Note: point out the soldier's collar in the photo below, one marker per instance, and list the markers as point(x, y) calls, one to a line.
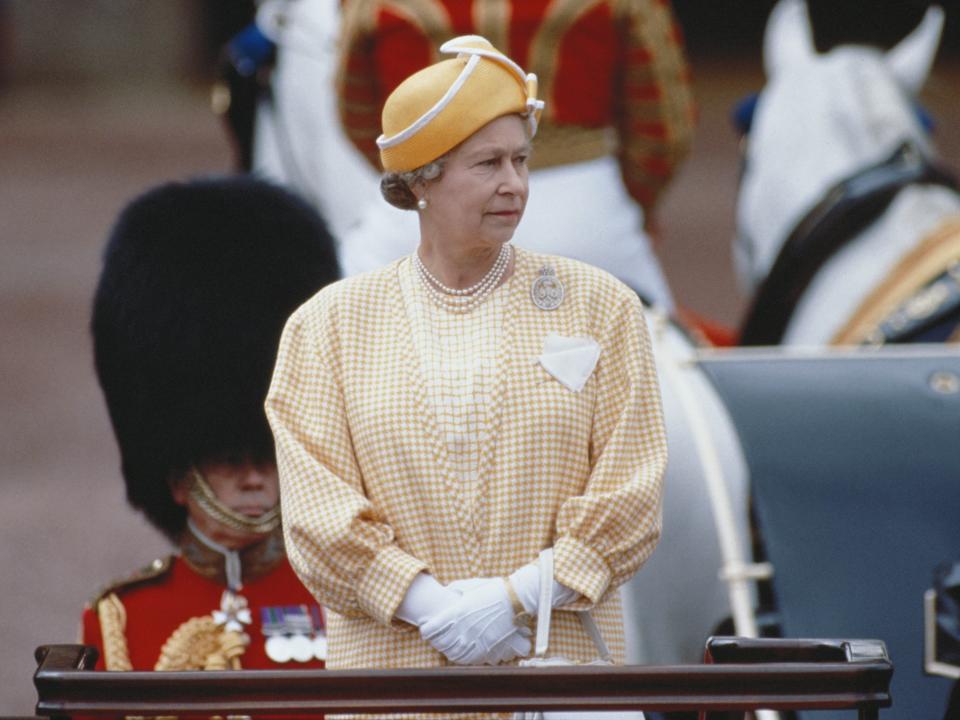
point(231, 568)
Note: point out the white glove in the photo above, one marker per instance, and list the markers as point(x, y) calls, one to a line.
point(526, 584)
point(479, 627)
point(425, 598)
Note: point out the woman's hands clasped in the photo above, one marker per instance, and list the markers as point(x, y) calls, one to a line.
point(470, 621)
point(479, 628)
point(476, 621)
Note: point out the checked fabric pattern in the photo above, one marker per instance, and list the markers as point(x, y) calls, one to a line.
point(458, 352)
point(369, 489)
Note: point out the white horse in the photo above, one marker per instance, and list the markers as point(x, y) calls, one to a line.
point(675, 601)
point(846, 230)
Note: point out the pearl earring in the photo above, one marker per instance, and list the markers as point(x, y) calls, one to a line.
point(422, 203)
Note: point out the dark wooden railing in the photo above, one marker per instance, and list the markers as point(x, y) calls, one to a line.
point(739, 675)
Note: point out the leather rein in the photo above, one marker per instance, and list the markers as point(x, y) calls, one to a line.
point(846, 209)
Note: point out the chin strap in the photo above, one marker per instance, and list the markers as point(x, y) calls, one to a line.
point(207, 499)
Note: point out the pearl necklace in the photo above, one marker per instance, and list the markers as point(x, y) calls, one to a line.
point(463, 299)
point(501, 261)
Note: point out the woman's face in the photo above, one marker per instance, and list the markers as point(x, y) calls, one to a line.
point(481, 196)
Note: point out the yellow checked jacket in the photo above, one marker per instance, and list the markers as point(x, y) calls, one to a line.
point(613, 74)
point(368, 497)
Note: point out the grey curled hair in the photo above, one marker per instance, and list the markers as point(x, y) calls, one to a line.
point(396, 186)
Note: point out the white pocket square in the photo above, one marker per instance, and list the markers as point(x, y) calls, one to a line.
point(569, 359)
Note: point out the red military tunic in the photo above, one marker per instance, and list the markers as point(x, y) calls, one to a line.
point(612, 73)
point(162, 597)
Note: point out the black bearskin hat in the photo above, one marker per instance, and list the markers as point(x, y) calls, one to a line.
point(198, 280)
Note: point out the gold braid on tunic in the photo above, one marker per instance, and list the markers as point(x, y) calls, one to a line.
point(201, 644)
point(113, 626)
point(198, 644)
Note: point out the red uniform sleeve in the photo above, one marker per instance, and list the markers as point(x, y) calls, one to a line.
point(90, 633)
point(656, 118)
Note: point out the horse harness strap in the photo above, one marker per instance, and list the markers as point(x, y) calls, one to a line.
point(918, 301)
point(930, 308)
point(847, 208)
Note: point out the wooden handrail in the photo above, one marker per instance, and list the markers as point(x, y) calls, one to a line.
point(66, 686)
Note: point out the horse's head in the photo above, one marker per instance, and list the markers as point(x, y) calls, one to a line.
point(820, 119)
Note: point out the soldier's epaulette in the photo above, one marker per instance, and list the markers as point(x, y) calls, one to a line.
point(157, 570)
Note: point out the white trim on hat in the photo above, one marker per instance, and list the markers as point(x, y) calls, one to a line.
point(453, 46)
point(384, 142)
point(534, 106)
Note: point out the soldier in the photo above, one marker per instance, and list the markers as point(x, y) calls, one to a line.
point(198, 279)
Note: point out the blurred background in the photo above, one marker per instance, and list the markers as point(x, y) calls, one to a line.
point(101, 99)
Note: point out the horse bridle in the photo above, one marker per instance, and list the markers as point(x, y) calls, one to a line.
point(845, 210)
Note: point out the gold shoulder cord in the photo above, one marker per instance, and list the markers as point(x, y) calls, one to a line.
point(113, 626)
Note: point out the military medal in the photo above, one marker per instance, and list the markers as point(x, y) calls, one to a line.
point(293, 632)
point(277, 645)
point(278, 649)
point(301, 648)
point(233, 613)
point(547, 291)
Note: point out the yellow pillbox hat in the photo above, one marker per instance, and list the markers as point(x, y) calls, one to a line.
point(439, 107)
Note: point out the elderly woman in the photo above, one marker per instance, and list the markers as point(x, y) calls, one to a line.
point(441, 421)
